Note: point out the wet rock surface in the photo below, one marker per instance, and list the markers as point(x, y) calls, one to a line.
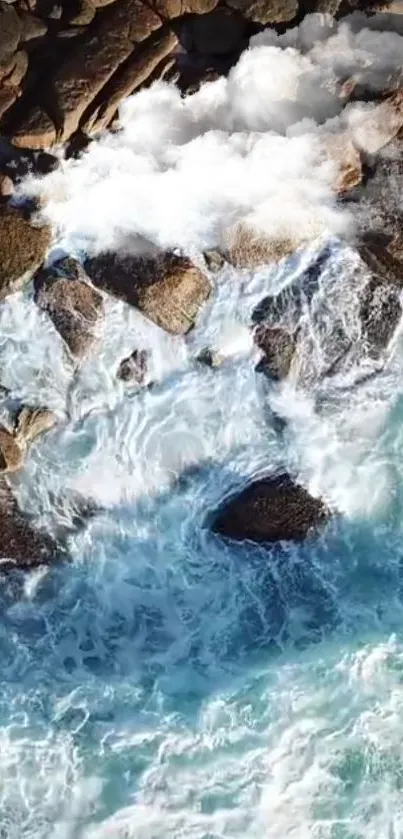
point(23, 247)
point(22, 546)
point(270, 510)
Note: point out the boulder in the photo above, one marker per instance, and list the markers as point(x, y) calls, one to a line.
point(10, 31)
point(266, 11)
point(133, 369)
point(73, 305)
point(278, 347)
point(31, 423)
point(11, 453)
point(6, 186)
point(35, 131)
point(166, 288)
point(249, 249)
point(380, 313)
point(23, 247)
point(17, 70)
point(169, 9)
point(22, 546)
point(271, 509)
point(217, 33)
point(31, 26)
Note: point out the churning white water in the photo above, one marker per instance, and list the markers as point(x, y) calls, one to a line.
point(166, 684)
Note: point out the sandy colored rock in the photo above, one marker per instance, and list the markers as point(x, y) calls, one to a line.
point(266, 11)
point(340, 150)
point(22, 249)
point(10, 31)
point(217, 33)
point(6, 186)
point(247, 248)
point(134, 73)
point(169, 9)
point(11, 454)
point(269, 510)
point(73, 305)
point(278, 347)
point(32, 422)
point(374, 126)
point(35, 131)
point(168, 289)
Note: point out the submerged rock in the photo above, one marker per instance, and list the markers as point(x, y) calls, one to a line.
point(22, 249)
point(168, 289)
point(133, 369)
point(21, 545)
point(278, 348)
point(73, 305)
point(270, 510)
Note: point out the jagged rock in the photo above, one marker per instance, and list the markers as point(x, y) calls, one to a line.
point(32, 26)
point(374, 126)
point(31, 422)
point(135, 72)
point(340, 150)
point(269, 510)
point(73, 305)
point(278, 348)
point(168, 289)
point(11, 453)
point(22, 249)
point(217, 33)
point(266, 11)
point(21, 544)
point(35, 131)
point(10, 31)
point(134, 368)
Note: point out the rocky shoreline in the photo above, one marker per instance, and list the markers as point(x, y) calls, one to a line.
point(64, 69)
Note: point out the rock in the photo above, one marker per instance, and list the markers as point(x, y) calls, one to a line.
point(209, 357)
point(56, 12)
point(217, 33)
point(21, 545)
point(249, 249)
point(17, 71)
point(73, 305)
point(7, 99)
point(374, 126)
point(278, 348)
point(215, 260)
point(31, 422)
point(10, 31)
point(169, 9)
point(269, 510)
point(380, 313)
point(31, 27)
point(6, 186)
point(35, 131)
point(134, 73)
point(22, 249)
point(266, 11)
point(11, 454)
point(83, 15)
point(168, 289)
point(340, 150)
point(134, 368)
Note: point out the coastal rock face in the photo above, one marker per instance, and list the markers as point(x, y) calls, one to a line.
point(21, 545)
point(270, 510)
point(22, 249)
point(168, 289)
point(72, 304)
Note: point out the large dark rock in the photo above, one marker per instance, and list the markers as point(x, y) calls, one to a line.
point(73, 305)
point(22, 546)
point(270, 510)
point(277, 346)
point(168, 289)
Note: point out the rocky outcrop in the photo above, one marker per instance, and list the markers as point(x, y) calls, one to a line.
point(23, 247)
point(166, 288)
point(270, 510)
point(11, 453)
point(277, 346)
point(73, 305)
point(22, 546)
point(30, 423)
point(266, 11)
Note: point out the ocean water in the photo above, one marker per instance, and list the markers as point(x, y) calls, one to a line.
point(166, 684)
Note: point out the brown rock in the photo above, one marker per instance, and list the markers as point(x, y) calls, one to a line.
point(22, 249)
point(35, 131)
point(21, 545)
point(375, 126)
point(214, 260)
point(6, 186)
point(217, 33)
point(32, 27)
point(17, 71)
point(266, 11)
point(31, 422)
point(278, 348)
point(134, 73)
point(134, 368)
point(249, 249)
point(11, 455)
point(73, 305)
point(269, 510)
point(168, 289)
point(340, 150)
point(169, 9)
point(83, 15)
point(10, 31)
